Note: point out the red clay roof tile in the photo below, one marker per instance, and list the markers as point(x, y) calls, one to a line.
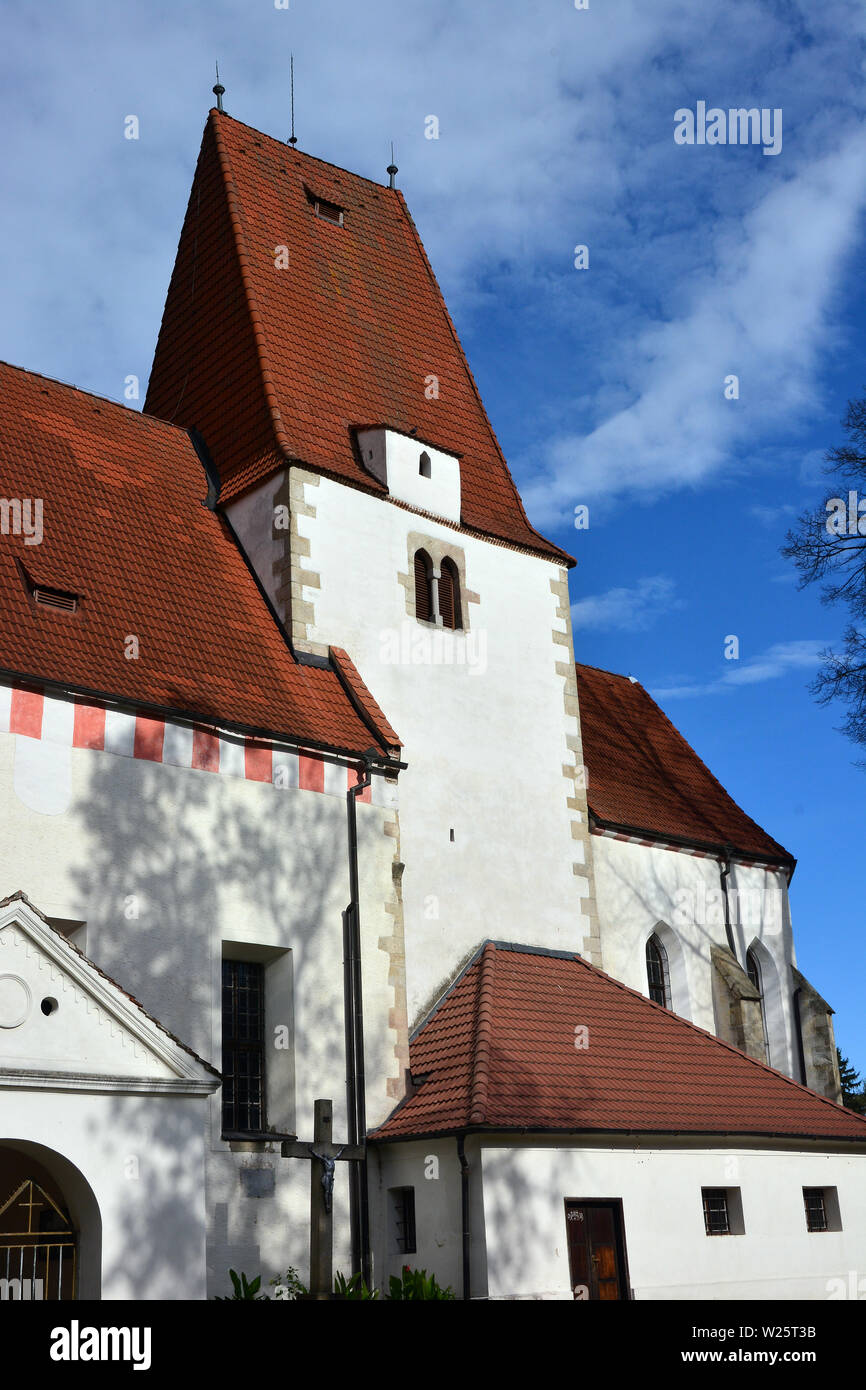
point(125, 528)
point(348, 331)
point(499, 1053)
point(641, 773)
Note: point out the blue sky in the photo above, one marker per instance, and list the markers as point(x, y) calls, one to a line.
point(605, 385)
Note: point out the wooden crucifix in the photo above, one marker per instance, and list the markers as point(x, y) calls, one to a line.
point(323, 1155)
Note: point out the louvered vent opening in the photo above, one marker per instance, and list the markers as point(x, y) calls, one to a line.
point(56, 598)
point(329, 212)
point(423, 605)
point(449, 595)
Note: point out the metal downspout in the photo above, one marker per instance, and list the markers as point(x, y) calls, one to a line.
point(354, 1018)
point(724, 875)
point(464, 1212)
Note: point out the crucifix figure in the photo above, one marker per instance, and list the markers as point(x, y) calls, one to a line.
point(328, 1165)
point(326, 1154)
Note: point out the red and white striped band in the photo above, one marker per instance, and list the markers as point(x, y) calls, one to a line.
point(666, 844)
point(76, 724)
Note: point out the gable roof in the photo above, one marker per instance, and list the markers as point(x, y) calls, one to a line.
point(499, 1053)
point(125, 529)
point(283, 364)
point(105, 1000)
point(642, 775)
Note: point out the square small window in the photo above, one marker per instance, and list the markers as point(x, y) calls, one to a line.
point(716, 1211)
point(723, 1211)
point(403, 1219)
point(816, 1215)
point(822, 1209)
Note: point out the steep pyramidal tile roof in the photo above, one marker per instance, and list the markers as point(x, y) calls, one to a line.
point(642, 774)
point(125, 529)
point(499, 1052)
point(276, 355)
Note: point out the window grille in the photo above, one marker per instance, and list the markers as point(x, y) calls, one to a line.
point(403, 1199)
point(716, 1220)
point(657, 972)
point(243, 1047)
point(816, 1212)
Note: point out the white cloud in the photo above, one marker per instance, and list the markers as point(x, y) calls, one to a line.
point(759, 311)
point(776, 661)
point(627, 609)
point(772, 516)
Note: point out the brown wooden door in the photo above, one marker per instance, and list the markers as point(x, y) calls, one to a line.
point(596, 1252)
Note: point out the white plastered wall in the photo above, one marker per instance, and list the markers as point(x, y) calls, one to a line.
point(519, 1185)
point(669, 1254)
point(141, 1160)
point(482, 717)
point(432, 1169)
point(164, 864)
point(639, 886)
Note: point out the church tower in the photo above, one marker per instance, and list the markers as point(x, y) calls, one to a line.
point(306, 340)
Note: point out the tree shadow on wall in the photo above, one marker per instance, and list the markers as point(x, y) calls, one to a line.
point(170, 861)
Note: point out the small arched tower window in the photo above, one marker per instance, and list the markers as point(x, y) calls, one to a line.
point(423, 582)
point(425, 467)
point(753, 969)
point(449, 595)
point(657, 974)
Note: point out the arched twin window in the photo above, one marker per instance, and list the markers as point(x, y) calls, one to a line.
point(442, 593)
point(658, 976)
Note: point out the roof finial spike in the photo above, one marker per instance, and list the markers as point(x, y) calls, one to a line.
point(293, 139)
point(218, 89)
point(392, 168)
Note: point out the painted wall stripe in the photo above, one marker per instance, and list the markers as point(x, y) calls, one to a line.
point(287, 773)
point(257, 762)
point(58, 721)
point(205, 751)
point(232, 761)
point(26, 714)
point(334, 779)
point(311, 773)
point(149, 735)
point(88, 727)
point(177, 745)
point(677, 849)
point(77, 724)
point(120, 732)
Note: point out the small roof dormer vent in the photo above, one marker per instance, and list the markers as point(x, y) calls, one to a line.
point(64, 600)
point(327, 211)
point(56, 598)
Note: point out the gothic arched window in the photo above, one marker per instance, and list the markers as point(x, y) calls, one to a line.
point(449, 595)
point(425, 467)
point(657, 972)
point(423, 582)
point(753, 969)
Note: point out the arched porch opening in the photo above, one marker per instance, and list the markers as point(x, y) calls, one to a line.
point(50, 1226)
